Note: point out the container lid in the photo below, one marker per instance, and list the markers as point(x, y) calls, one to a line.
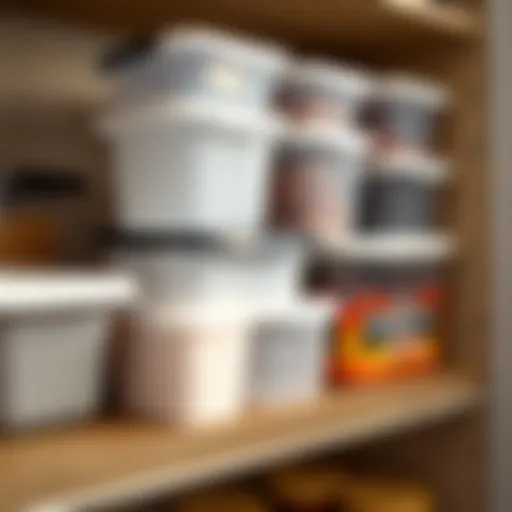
point(391, 248)
point(141, 114)
point(329, 139)
point(196, 39)
point(197, 313)
point(23, 290)
point(300, 309)
point(326, 74)
point(413, 90)
point(412, 164)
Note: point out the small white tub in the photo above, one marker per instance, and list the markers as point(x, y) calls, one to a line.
point(289, 350)
point(174, 270)
point(199, 63)
point(190, 166)
point(188, 365)
point(322, 92)
point(53, 348)
point(405, 111)
point(317, 182)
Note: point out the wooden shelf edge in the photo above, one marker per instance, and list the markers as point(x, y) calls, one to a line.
point(345, 420)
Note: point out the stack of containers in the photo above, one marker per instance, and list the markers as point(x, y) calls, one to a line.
point(193, 134)
point(390, 326)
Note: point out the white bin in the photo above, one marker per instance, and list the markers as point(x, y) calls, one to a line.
point(268, 272)
point(289, 350)
point(190, 166)
point(405, 112)
point(199, 63)
point(188, 365)
point(322, 92)
point(317, 182)
point(53, 336)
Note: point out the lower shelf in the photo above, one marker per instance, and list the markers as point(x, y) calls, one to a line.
point(114, 461)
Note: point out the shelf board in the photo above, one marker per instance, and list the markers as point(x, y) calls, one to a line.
point(114, 461)
point(323, 22)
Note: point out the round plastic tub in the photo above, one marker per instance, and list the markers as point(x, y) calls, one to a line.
point(323, 92)
point(199, 63)
point(188, 364)
point(190, 166)
point(389, 327)
point(317, 181)
point(289, 345)
point(172, 268)
point(53, 343)
point(400, 193)
point(404, 113)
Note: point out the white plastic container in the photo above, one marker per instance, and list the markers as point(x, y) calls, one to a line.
point(188, 365)
point(190, 166)
point(171, 270)
point(405, 111)
point(199, 63)
point(53, 336)
point(289, 352)
point(323, 92)
point(317, 183)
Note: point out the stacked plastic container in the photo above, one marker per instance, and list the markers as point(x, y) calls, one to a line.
point(193, 132)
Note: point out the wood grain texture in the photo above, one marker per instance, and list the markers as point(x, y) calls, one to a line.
point(117, 461)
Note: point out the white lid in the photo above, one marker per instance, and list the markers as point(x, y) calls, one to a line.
point(141, 114)
point(30, 290)
point(199, 313)
point(300, 310)
point(342, 79)
point(411, 89)
point(217, 43)
point(327, 138)
point(392, 247)
point(413, 164)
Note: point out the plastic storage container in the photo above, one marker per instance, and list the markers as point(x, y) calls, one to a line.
point(317, 182)
point(173, 268)
point(288, 352)
point(39, 211)
point(404, 113)
point(190, 166)
point(199, 63)
point(53, 344)
point(389, 325)
point(326, 93)
point(400, 193)
point(188, 365)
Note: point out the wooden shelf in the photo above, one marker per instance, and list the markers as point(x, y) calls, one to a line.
point(320, 23)
point(116, 461)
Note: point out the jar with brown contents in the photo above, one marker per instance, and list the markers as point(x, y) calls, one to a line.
point(222, 500)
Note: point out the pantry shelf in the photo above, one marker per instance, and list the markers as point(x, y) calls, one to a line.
point(118, 460)
point(325, 22)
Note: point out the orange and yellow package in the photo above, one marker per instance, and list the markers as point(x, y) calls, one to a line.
point(386, 335)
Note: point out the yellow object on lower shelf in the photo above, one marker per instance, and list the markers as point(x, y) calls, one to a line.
point(374, 495)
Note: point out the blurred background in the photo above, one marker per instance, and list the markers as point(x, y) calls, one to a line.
point(244, 257)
